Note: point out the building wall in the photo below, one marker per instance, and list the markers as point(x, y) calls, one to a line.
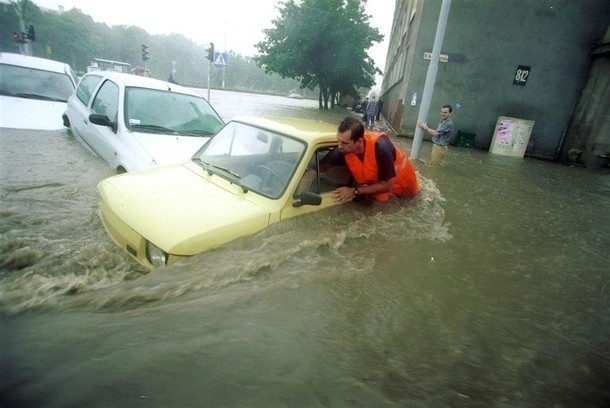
point(400, 60)
point(486, 41)
point(588, 139)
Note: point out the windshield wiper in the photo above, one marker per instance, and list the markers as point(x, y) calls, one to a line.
point(195, 132)
point(237, 176)
point(33, 96)
point(203, 163)
point(152, 128)
point(206, 166)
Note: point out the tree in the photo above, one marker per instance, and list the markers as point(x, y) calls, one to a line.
point(321, 43)
point(75, 38)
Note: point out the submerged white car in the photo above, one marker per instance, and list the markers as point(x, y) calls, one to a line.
point(33, 91)
point(255, 172)
point(135, 122)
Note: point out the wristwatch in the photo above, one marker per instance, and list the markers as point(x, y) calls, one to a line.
point(356, 192)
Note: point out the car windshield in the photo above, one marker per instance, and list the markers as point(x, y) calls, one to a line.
point(257, 159)
point(24, 82)
point(159, 111)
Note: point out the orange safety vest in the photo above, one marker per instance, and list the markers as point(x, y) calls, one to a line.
point(365, 171)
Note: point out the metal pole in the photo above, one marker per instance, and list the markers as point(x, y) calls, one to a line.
point(424, 110)
point(26, 44)
point(24, 48)
point(224, 67)
point(209, 65)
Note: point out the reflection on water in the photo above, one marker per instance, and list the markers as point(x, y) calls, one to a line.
point(491, 288)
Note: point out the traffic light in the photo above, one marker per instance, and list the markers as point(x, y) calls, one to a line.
point(31, 34)
point(211, 52)
point(145, 53)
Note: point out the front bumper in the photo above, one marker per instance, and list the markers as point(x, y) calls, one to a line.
point(127, 238)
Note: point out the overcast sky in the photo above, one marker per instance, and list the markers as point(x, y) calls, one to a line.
point(238, 24)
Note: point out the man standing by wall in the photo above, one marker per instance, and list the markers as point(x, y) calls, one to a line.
point(371, 112)
point(379, 108)
point(441, 136)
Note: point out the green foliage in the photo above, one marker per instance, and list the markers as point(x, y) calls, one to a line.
point(321, 43)
point(75, 38)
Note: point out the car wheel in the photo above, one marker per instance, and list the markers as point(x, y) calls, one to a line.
point(66, 120)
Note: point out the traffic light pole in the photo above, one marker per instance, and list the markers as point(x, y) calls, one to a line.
point(25, 47)
point(209, 68)
point(210, 58)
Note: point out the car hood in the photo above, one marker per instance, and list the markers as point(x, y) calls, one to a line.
point(169, 149)
point(23, 113)
point(181, 210)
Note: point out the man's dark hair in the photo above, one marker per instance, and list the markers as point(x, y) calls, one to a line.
point(448, 107)
point(354, 125)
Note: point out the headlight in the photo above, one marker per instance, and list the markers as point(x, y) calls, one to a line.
point(156, 256)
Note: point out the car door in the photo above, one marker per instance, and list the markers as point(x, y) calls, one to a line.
point(78, 104)
point(103, 139)
point(317, 180)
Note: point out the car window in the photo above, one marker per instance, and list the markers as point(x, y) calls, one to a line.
point(261, 160)
point(86, 87)
point(106, 102)
point(157, 111)
point(321, 178)
point(33, 83)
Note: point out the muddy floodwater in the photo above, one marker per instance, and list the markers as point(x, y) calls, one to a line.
point(489, 289)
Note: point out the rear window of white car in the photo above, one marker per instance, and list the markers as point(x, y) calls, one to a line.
point(86, 87)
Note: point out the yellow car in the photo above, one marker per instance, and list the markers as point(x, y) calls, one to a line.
point(253, 173)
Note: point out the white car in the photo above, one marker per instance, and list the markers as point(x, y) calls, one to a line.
point(134, 122)
point(33, 91)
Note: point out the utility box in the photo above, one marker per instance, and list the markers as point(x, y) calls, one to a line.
point(464, 139)
point(511, 136)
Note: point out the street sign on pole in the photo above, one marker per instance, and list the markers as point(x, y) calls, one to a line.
point(220, 59)
point(430, 78)
point(442, 57)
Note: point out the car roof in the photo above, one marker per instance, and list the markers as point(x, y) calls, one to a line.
point(35, 62)
point(312, 131)
point(132, 80)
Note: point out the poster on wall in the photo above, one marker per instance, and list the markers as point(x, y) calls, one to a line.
point(511, 136)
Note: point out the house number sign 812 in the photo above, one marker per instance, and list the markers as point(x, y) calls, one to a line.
point(521, 75)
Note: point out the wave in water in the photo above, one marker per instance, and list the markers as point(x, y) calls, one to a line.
point(93, 273)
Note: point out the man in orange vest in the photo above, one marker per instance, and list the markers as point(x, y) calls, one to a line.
point(378, 168)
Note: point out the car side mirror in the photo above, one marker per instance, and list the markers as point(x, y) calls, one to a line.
point(99, 119)
point(102, 120)
point(307, 198)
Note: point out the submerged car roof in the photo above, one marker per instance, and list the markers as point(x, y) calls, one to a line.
point(132, 80)
point(36, 63)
